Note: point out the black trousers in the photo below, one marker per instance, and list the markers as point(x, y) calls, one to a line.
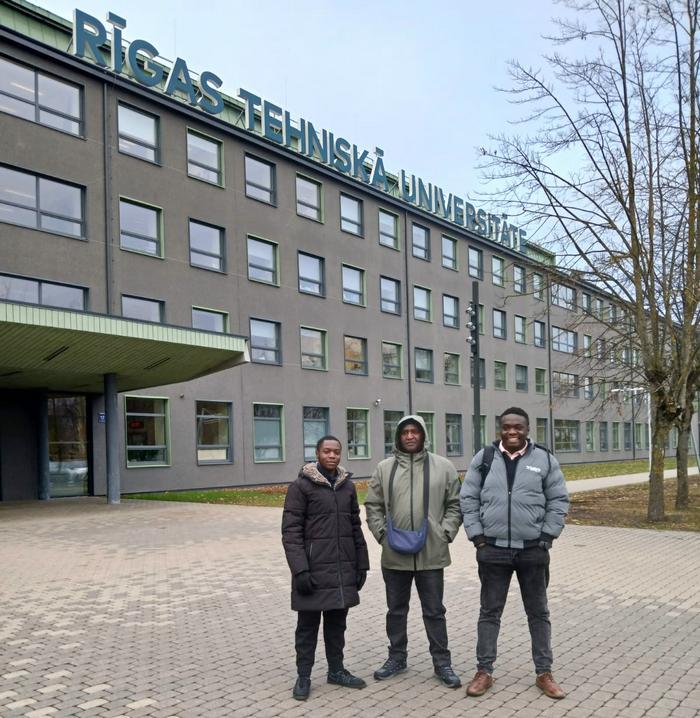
point(430, 586)
point(306, 637)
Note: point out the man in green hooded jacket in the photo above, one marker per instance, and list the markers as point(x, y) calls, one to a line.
point(412, 465)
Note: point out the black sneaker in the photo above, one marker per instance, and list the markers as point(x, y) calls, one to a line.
point(346, 679)
point(390, 668)
point(448, 676)
point(301, 688)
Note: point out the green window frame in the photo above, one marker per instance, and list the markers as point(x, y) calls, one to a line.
point(268, 433)
point(214, 435)
point(147, 431)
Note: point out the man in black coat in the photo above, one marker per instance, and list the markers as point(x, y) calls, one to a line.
point(327, 555)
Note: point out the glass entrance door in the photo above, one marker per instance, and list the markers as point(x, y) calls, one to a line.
point(68, 446)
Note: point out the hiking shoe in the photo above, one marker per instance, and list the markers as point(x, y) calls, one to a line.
point(390, 668)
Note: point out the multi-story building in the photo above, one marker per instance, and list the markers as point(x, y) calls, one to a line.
point(156, 233)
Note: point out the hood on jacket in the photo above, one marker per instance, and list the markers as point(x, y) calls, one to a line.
point(411, 419)
point(310, 471)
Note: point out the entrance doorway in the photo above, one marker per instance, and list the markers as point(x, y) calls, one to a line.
point(69, 473)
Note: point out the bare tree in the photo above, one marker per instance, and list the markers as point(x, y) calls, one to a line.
point(609, 176)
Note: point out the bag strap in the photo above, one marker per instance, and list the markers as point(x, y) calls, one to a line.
point(486, 461)
point(426, 484)
point(549, 461)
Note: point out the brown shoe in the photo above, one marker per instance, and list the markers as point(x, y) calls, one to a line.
point(481, 682)
point(546, 683)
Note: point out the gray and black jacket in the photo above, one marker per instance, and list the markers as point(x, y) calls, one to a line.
point(533, 509)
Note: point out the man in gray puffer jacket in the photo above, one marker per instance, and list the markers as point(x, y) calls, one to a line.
point(512, 515)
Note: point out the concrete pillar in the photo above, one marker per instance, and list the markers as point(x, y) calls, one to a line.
point(112, 439)
point(42, 435)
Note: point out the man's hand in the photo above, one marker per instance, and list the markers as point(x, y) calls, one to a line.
point(361, 578)
point(479, 541)
point(305, 584)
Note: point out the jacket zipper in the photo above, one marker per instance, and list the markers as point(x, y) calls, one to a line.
point(413, 527)
point(337, 544)
point(510, 495)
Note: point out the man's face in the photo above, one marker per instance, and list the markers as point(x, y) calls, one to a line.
point(411, 438)
point(328, 455)
point(514, 431)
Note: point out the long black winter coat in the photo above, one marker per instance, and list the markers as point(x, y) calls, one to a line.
point(322, 533)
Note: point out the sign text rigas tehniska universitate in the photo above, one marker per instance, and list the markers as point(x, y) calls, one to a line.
point(140, 62)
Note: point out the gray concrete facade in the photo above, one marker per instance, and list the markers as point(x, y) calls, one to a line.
point(98, 262)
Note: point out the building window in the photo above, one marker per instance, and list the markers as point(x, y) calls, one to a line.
point(214, 432)
point(391, 421)
point(538, 287)
point(567, 435)
point(138, 133)
point(355, 352)
point(449, 252)
point(599, 310)
point(40, 98)
point(587, 344)
point(308, 198)
point(262, 261)
point(451, 366)
point(563, 296)
point(499, 324)
point(140, 228)
point(350, 215)
point(260, 180)
point(424, 365)
point(541, 431)
point(206, 246)
point(540, 337)
point(311, 274)
point(265, 342)
point(421, 242)
point(564, 384)
point(429, 419)
point(146, 310)
point(540, 381)
point(316, 425)
point(627, 428)
point(603, 435)
point(590, 436)
point(388, 229)
point(453, 435)
point(482, 372)
point(586, 302)
point(500, 375)
point(587, 384)
point(421, 304)
point(32, 201)
point(147, 440)
point(450, 311)
point(520, 335)
point(268, 442)
point(357, 422)
point(392, 364)
point(204, 158)
point(564, 340)
point(482, 427)
point(521, 379)
point(615, 435)
point(313, 348)
point(390, 295)
point(519, 280)
point(497, 271)
point(353, 285)
point(209, 320)
point(476, 263)
point(48, 294)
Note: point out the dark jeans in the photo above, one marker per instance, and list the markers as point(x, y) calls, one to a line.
point(496, 566)
point(430, 587)
point(306, 637)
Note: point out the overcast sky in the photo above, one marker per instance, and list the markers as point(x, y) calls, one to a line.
point(414, 78)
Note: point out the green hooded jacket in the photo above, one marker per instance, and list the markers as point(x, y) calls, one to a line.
point(444, 515)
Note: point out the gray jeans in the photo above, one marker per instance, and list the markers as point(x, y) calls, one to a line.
point(496, 567)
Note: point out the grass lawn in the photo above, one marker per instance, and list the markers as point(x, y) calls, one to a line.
point(624, 506)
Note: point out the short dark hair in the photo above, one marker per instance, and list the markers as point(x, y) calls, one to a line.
point(515, 410)
point(327, 437)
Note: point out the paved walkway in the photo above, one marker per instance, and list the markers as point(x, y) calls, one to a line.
point(165, 609)
point(607, 482)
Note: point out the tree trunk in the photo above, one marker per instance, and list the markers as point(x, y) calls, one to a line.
point(682, 500)
point(655, 510)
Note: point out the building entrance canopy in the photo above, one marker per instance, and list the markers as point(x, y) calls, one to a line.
point(71, 351)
